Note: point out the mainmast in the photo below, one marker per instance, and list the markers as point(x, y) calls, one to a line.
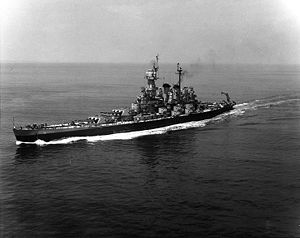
point(179, 72)
point(156, 67)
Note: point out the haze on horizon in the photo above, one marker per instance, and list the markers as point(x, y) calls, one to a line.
point(231, 31)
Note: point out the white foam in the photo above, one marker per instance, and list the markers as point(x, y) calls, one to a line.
point(268, 104)
point(256, 104)
point(241, 104)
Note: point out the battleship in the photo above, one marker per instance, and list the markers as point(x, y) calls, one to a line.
point(154, 107)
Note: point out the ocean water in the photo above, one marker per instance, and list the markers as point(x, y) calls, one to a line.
point(236, 175)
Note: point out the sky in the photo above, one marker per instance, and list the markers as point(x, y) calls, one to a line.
point(204, 31)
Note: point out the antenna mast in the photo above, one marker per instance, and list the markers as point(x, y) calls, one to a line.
point(156, 67)
point(179, 72)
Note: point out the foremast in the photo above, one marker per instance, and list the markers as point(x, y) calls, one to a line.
point(152, 76)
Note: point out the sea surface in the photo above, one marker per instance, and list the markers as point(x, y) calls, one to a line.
point(236, 175)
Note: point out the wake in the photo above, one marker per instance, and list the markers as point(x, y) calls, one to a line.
point(238, 110)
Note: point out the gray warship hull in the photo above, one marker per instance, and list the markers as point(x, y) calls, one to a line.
point(47, 134)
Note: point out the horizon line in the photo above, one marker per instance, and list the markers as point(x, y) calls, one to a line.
point(99, 62)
